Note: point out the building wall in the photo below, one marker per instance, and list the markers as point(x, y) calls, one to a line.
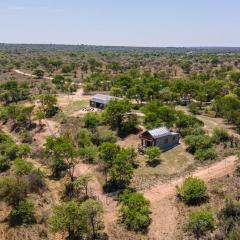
point(167, 141)
point(97, 105)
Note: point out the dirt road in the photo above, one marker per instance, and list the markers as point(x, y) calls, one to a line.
point(29, 74)
point(162, 198)
point(109, 204)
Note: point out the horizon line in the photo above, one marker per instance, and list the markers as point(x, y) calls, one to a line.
point(127, 46)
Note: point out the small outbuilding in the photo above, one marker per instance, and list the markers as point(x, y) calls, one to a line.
point(160, 137)
point(101, 100)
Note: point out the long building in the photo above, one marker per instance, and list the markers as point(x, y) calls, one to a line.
point(101, 100)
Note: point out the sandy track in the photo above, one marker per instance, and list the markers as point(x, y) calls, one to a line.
point(162, 198)
point(29, 74)
point(109, 205)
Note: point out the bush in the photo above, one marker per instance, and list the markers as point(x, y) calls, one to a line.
point(152, 153)
point(36, 180)
point(196, 142)
point(4, 164)
point(91, 120)
point(26, 137)
point(89, 153)
point(102, 136)
point(205, 154)
point(134, 210)
point(190, 131)
point(220, 135)
point(22, 167)
point(192, 191)
point(229, 215)
point(13, 190)
point(234, 234)
point(200, 221)
point(22, 214)
point(193, 108)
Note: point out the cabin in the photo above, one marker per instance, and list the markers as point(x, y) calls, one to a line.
point(184, 101)
point(100, 100)
point(160, 137)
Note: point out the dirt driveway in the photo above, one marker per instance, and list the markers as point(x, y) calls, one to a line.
point(162, 197)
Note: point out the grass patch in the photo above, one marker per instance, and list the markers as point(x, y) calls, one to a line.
point(75, 106)
point(173, 161)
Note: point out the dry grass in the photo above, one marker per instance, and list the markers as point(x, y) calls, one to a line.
point(171, 162)
point(74, 106)
point(218, 190)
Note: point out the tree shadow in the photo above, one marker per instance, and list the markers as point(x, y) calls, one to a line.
point(154, 163)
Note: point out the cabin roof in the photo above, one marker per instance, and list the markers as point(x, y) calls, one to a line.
point(102, 98)
point(160, 132)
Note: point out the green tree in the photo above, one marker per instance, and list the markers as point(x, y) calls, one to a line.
point(68, 217)
point(48, 104)
point(81, 184)
point(134, 210)
point(78, 220)
point(62, 153)
point(197, 142)
point(192, 191)
point(115, 112)
point(121, 171)
point(92, 211)
point(91, 120)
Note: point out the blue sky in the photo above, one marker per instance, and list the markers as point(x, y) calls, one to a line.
point(121, 22)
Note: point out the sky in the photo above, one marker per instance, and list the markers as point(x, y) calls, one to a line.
point(159, 23)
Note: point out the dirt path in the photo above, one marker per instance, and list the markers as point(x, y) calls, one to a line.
point(50, 128)
point(109, 205)
point(162, 198)
point(29, 74)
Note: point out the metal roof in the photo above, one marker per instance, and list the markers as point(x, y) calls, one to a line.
point(101, 98)
point(160, 132)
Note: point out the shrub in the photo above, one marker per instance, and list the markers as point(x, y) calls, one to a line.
point(23, 213)
point(26, 137)
point(89, 153)
point(192, 191)
point(234, 234)
point(205, 154)
point(200, 221)
point(134, 210)
point(196, 142)
point(229, 215)
point(13, 190)
point(220, 135)
point(195, 130)
point(152, 153)
point(4, 164)
point(193, 108)
point(36, 180)
point(22, 167)
point(91, 120)
point(102, 136)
